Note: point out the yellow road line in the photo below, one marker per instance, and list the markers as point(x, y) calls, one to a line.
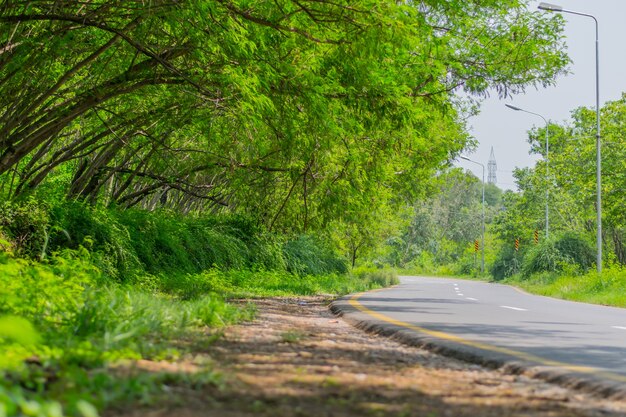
point(353, 301)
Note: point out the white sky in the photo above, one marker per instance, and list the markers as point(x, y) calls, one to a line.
point(506, 130)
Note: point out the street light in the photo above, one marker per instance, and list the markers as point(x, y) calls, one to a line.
point(547, 164)
point(482, 263)
point(555, 8)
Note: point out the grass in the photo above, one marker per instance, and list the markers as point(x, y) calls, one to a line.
point(256, 284)
point(609, 288)
point(65, 327)
point(61, 332)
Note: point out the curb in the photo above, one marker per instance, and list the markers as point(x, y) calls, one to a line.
point(584, 382)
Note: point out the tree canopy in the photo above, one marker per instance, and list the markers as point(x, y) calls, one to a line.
point(293, 111)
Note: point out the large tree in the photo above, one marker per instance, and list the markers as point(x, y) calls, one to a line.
point(571, 180)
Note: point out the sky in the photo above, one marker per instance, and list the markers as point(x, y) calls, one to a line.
point(506, 129)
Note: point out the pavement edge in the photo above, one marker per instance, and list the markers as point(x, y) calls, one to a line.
point(583, 382)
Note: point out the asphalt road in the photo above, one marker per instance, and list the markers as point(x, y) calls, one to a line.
point(503, 320)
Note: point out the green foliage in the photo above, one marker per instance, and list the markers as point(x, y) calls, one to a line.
point(556, 254)
point(26, 224)
point(165, 242)
point(101, 232)
point(18, 329)
point(376, 277)
point(571, 183)
point(45, 294)
point(263, 283)
point(443, 228)
point(293, 112)
point(508, 262)
point(78, 327)
point(609, 288)
point(128, 243)
point(308, 255)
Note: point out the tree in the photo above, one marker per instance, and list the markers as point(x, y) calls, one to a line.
point(446, 223)
point(572, 180)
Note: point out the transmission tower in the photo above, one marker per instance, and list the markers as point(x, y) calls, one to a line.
point(492, 167)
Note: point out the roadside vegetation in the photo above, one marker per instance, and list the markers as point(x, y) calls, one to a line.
point(109, 287)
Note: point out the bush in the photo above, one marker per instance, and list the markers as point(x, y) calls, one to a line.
point(26, 224)
point(579, 249)
point(166, 242)
point(101, 232)
point(59, 325)
point(558, 253)
point(129, 245)
point(44, 293)
point(507, 263)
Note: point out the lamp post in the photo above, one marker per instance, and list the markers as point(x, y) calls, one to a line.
point(482, 262)
point(547, 164)
point(554, 8)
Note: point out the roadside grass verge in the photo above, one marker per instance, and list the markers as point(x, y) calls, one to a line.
point(609, 288)
point(60, 332)
point(255, 284)
point(70, 336)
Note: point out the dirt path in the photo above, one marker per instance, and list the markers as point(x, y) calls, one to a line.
point(297, 359)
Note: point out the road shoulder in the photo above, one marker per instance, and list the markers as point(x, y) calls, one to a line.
point(488, 356)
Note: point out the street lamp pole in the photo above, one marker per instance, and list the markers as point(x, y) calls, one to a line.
point(482, 262)
point(560, 9)
point(547, 164)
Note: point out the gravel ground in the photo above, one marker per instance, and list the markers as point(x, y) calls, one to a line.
point(298, 359)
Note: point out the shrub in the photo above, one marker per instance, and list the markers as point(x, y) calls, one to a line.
point(100, 231)
point(577, 248)
point(47, 294)
point(562, 251)
point(26, 224)
point(507, 263)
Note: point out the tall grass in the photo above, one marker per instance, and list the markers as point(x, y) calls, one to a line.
point(130, 243)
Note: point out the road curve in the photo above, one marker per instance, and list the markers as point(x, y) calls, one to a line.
point(577, 344)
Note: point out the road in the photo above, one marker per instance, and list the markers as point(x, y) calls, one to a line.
point(502, 320)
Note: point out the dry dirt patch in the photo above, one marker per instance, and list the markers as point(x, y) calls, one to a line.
point(298, 359)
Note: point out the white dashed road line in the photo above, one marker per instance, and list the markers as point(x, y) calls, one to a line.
point(470, 298)
point(514, 308)
point(619, 327)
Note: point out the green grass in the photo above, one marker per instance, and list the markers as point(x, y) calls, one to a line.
point(609, 288)
point(64, 325)
point(255, 284)
point(61, 329)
